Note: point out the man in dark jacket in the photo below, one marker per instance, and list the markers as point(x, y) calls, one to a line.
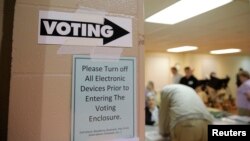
point(189, 79)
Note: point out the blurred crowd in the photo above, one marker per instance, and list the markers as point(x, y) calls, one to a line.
point(213, 91)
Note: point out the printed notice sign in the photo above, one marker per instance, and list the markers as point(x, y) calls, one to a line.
point(66, 28)
point(103, 98)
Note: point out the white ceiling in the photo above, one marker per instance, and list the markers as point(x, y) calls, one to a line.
point(224, 27)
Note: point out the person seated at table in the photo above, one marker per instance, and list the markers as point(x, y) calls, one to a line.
point(183, 116)
point(201, 90)
point(151, 110)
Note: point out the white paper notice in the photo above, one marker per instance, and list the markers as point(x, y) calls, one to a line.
point(84, 29)
point(103, 99)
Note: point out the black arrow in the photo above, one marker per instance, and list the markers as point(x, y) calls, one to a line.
point(117, 30)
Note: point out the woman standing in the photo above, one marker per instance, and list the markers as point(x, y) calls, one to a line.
point(243, 94)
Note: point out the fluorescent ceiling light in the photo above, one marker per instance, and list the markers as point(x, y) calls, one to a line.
point(182, 49)
point(185, 9)
point(225, 51)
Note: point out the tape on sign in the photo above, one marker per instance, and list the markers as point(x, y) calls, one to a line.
point(64, 49)
point(131, 139)
point(111, 54)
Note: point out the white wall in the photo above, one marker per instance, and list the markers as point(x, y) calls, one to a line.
point(157, 69)
point(157, 66)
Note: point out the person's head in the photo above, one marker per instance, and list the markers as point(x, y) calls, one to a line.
point(188, 71)
point(150, 99)
point(150, 86)
point(212, 74)
point(243, 76)
point(174, 70)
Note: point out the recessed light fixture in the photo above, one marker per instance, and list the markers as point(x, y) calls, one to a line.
point(225, 51)
point(182, 49)
point(185, 9)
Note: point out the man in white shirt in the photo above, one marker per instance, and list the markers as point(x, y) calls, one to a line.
point(183, 115)
point(176, 76)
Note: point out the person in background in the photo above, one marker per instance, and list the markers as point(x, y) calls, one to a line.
point(183, 116)
point(217, 90)
point(150, 90)
point(201, 91)
point(189, 79)
point(176, 76)
point(150, 87)
point(218, 83)
point(238, 82)
point(243, 94)
point(151, 110)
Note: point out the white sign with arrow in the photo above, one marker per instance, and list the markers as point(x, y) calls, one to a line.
point(84, 29)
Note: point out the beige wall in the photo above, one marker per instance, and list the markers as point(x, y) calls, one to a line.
point(157, 66)
point(41, 79)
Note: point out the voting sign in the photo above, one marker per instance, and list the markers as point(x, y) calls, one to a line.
point(103, 98)
point(84, 29)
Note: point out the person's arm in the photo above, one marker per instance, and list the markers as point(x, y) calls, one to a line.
point(164, 119)
point(247, 91)
point(248, 95)
point(195, 82)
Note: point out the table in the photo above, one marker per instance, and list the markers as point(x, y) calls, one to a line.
point(152, 132)
point(220, 118)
